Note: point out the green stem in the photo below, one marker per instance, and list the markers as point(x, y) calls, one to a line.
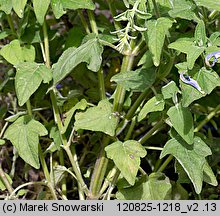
point(131, 128)
point(11, 25)
point(100, 71)
point(136, 104)
point(157, 12)
point(42, 159)
point(5, 180)
point(76, 169)
point(66, 145)
point(207, 119)
point(114, 13)
point(99, 171)
point(3, 129)
point(46, 45)
point(153, 148)
point(46, 173)
point(120, 90)
point(165, 163)
point(112, 184)
point(213, 14)
point(92, 22)
point(154, 129)
point(25, 185)
point(83, 20)
point(63, 182)
point(29, 109)
point(101, 84)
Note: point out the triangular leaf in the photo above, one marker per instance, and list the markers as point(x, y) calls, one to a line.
point(16, 54)
point(57, 8)
point(157, 30)
point(200, 33)
point(55, 135)
point(6, 6)
point(156, 187)
point(126, 157)
point(183, 9)
point(182, 121)
point(99, 118)
point(23, 134)
point(191, 157)
point(169, 90)
point(138, 80)
point(156, 103)
point(18, 7)
point(89, 52)
point(28, 78)
point(40, 9)
point(209, 176)
point(68, 115)
point(187, 46)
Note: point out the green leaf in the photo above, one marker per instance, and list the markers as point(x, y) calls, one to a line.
point(182, 121)
point(89, 52)
point(183, 9)
point(98, 118)
point(126, 157)
point(2, 185)
point(16, 54)
point(14, 117)
point(187, 46)
point(207, 79)
point(78, 4)
point(57, 8)
point(55, 135)
point(80, 105)
point(156, 187)
point(169, 90)
point(5, 33)
point(24, 135)
point(157, 30)
point(28, 78)
point(59, 174)
point(214, 5)
point(138, 80)
point(22, 192)
point(2, 142)
point(200, 33)
point(75, 37)
point(40, 9)
point(182, 175)
point(191, 157)
point(19, 6)
point(208, 175)
point(156, 103)
point(6, 6)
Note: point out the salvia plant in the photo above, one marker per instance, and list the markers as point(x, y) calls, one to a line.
point(109, 99)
